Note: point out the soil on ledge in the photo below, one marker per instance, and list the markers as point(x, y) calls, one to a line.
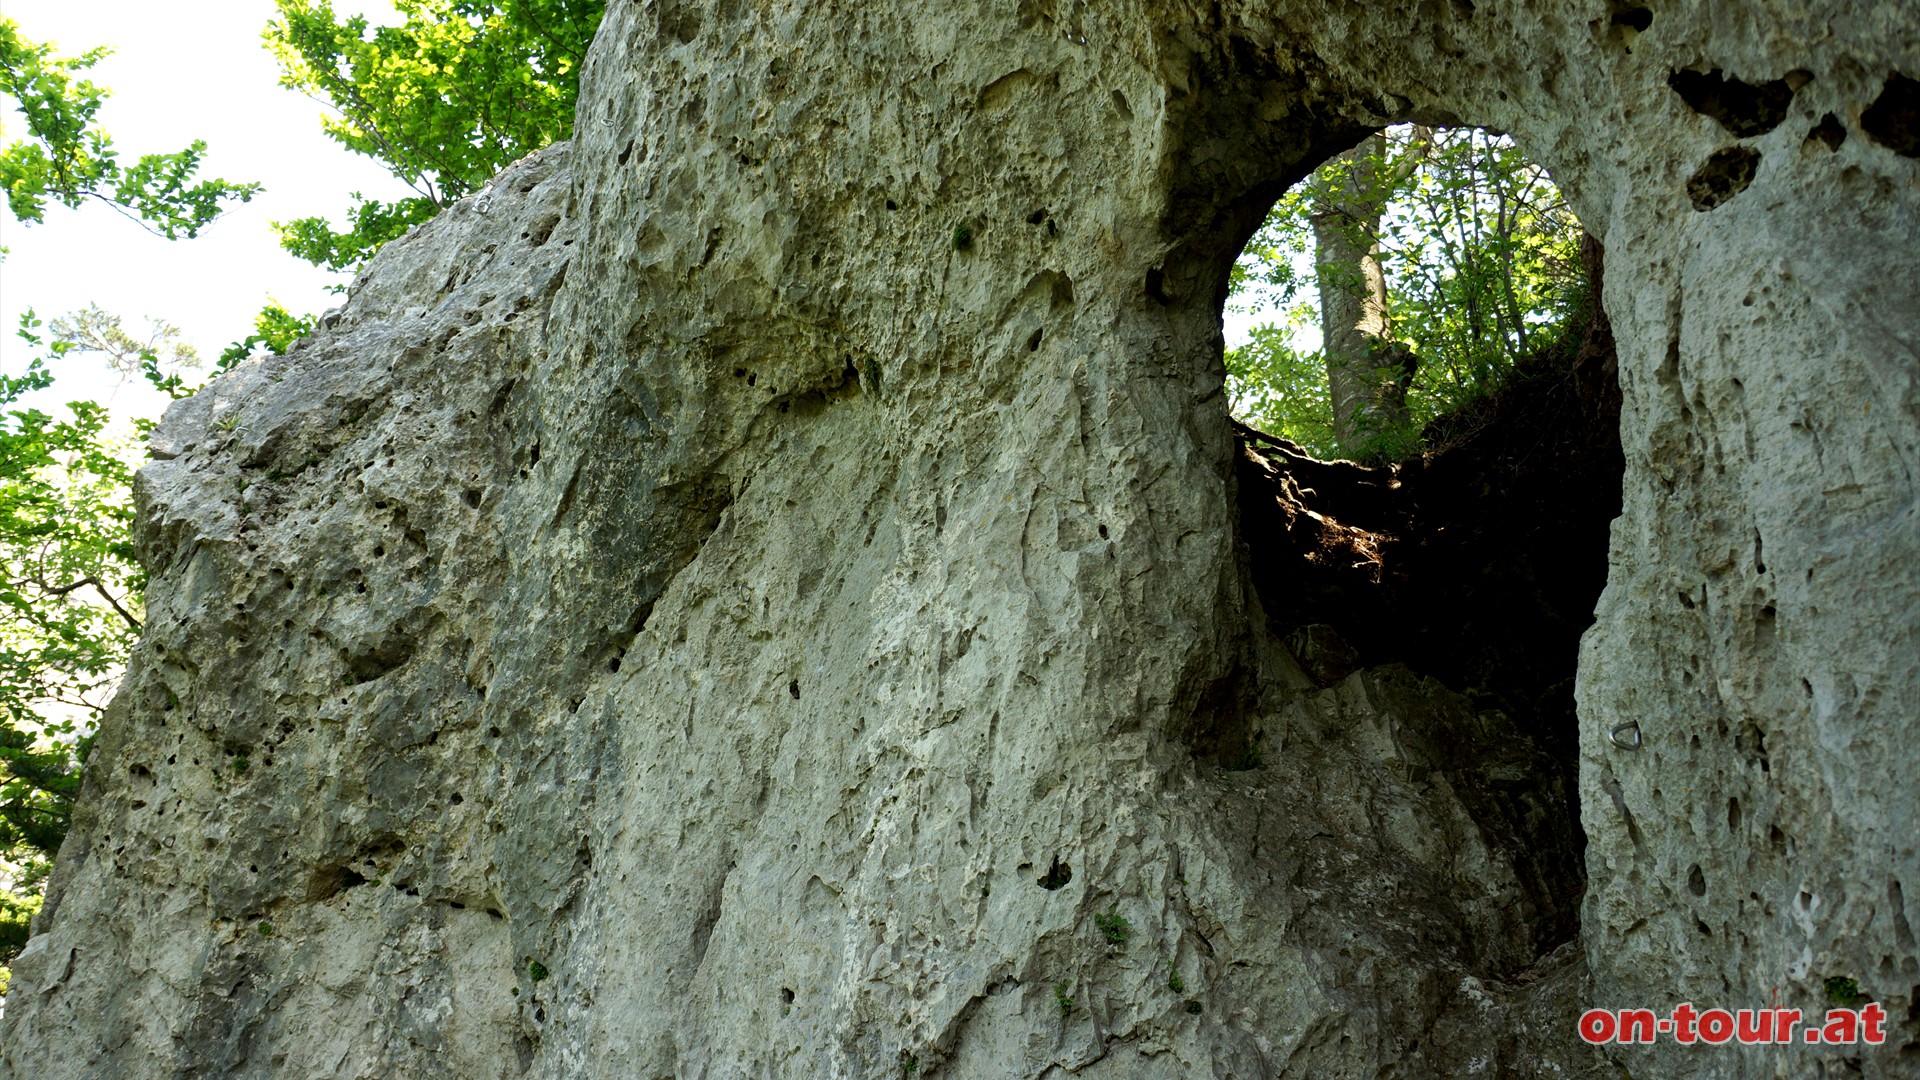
point(1479, 565)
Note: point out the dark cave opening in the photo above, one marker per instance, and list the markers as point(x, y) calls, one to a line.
point(1477, 564)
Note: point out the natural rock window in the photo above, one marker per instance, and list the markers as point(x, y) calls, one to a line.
point(1468, 545)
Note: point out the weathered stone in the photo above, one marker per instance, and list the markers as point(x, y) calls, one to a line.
point(686, 609)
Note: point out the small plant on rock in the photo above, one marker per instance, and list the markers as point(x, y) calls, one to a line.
point(1844, 992)
point(1114, 925)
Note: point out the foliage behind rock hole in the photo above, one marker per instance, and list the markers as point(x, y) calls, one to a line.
point(1478, 254)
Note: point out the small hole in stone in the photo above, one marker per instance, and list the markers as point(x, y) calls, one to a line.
point(456, 798)
point(1033, 343)
point(891, 205)
point(786, 996)
point(1156, 285)
point(793, 688)
point(1696, 881)
point(1057, 876)
point(1638, 18)
point(1743, 108)
point(1893, 120)
point(1829, 132)
point(1726, 174)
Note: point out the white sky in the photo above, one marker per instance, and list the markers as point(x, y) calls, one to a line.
point(179, 72)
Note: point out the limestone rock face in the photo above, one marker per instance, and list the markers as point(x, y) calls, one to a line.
point(759, 592)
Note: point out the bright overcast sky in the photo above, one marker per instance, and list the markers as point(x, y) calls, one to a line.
point(179, 72)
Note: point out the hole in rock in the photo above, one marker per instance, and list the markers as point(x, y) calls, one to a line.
point(1428, 466)
point(1056, 876)
point(1157, 286)
point(1829, 132)
point(1726, 174)
point(1638, 18)
point(1893, 120)
point(1743, 108)
point(329, 882)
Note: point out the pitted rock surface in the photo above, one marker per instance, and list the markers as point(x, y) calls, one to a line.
point(741, 595)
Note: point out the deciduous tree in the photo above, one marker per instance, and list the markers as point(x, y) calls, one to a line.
point(66, 157)
point(445, 100)
point(1440, 258)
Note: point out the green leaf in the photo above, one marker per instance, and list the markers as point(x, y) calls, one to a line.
point(444, 101)
point(1481, 256)
point(66, 159)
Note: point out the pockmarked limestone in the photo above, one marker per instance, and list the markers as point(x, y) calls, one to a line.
point(688, 614)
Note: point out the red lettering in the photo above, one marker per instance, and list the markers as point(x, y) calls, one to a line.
point(1636, 1025)
point(1843, 1026)
point(1683, 1019)
point(1784, 1021)
point(1756, 1026)
point(1597, 1026)
point(1874, 1018)
point(1716, 1026)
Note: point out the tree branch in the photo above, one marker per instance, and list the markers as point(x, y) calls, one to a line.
point(63, 590)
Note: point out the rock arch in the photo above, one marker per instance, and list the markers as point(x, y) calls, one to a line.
point(751, 624)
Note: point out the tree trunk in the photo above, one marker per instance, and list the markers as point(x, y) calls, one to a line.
point(1354, 322)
